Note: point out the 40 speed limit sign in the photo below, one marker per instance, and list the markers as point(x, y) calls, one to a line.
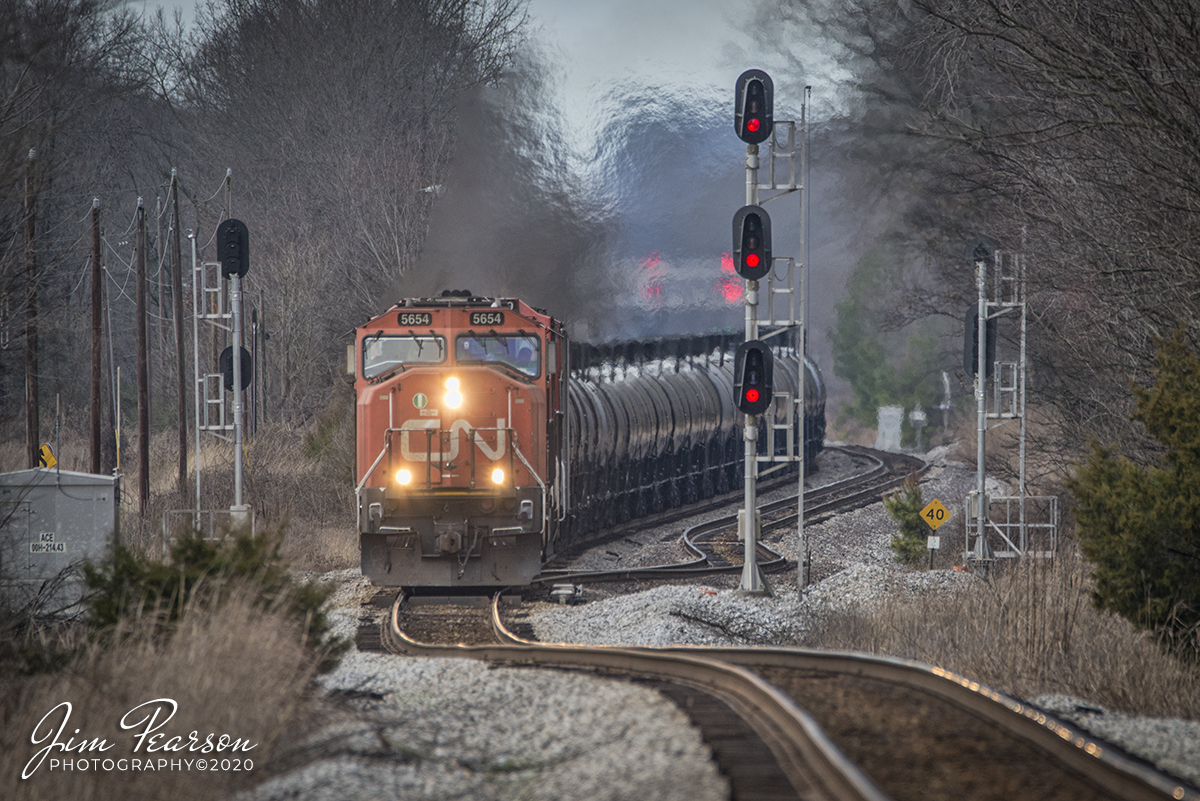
point(935, 514)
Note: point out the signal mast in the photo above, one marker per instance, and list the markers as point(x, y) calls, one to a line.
point(754, 260)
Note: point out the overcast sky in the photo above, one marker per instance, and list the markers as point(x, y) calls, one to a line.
point(601, 43)
point(674, 182)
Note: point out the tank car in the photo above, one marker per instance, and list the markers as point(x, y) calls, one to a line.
point(486, 441)
point(653, 425)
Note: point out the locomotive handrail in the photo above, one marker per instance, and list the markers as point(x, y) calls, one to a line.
point(477, 442)
point(387, 446)
point(541, 485)
point(472, 436)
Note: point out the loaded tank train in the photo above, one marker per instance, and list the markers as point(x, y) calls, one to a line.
point(487, 441)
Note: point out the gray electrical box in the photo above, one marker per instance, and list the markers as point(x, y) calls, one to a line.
point(49, 521)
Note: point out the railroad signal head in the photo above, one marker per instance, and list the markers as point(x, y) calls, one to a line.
point(753, 115)
point(971, 344)
point(225, 365)
point(233, 248)
point(752, 242)
point(752, 372)
point(981, 248)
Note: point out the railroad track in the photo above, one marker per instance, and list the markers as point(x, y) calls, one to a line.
point(805, 763)
point(714, 546)
point(836, 725)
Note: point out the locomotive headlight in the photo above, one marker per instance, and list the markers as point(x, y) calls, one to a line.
point(497, 476)
point(403, 476)
point(453, 396)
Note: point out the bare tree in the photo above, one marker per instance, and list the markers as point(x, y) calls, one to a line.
point(1065, 130)
point(333, 115)
point(1079, 123)
point(67, 71)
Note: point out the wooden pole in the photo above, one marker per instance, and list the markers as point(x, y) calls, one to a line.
point(159, 362)
point(31, 312)
point(177, 297)
point(97, 335)
point(143, 372)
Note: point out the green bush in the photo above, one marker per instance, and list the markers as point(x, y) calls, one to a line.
point(200, 573)
point(1140, 526)
point(904, 506)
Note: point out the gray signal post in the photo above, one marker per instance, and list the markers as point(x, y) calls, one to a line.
point(754, 260)
point(753, 582)
point(753, 122)
point(239, 401)
point(233, 246)
point(979, 251)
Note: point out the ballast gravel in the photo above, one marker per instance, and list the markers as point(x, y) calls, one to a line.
point(457, 728)
point(1170, 745)
point(696, 615)
point(442, 729)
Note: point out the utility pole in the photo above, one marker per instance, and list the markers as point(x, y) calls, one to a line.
point(160, 334)
point(31, 312)
point(143, 372)
point(97, 335)
point(198, 308)
point(177, 298)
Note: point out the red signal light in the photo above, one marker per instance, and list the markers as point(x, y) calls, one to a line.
point(753, 106)
point(752, 396)
point(752, 242)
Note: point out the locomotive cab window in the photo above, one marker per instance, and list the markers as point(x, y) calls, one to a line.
point(382, 353)
point(522, 353)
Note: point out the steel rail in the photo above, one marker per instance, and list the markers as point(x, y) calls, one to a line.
point(813, 764)
point(1120, 774)
point(706, 505)
point(700, 566)
point(1075, 748)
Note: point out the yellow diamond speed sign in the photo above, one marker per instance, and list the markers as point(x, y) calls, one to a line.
point(935, 514)
point(46, 457)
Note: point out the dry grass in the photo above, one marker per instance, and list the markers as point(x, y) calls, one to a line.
point(307, 491)
point(238, 671)
point(298, 479)
point(1032, 630)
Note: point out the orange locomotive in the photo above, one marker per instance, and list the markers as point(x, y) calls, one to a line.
point(461, 438)
point(484, 445)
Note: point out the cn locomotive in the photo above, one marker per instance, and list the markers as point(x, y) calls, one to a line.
point(487, 441)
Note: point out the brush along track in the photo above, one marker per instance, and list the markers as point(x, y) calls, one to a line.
point(845, 725)
point(716, 548)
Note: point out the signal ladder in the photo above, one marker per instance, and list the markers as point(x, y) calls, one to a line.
point(1019, 525)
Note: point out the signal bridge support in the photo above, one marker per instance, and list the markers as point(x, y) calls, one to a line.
point(218, 410)
point(1004, 527)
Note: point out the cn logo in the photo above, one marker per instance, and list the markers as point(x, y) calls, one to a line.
point(422, 447)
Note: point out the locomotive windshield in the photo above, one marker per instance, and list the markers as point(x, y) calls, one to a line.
point(520, 352)
point(382, 353)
